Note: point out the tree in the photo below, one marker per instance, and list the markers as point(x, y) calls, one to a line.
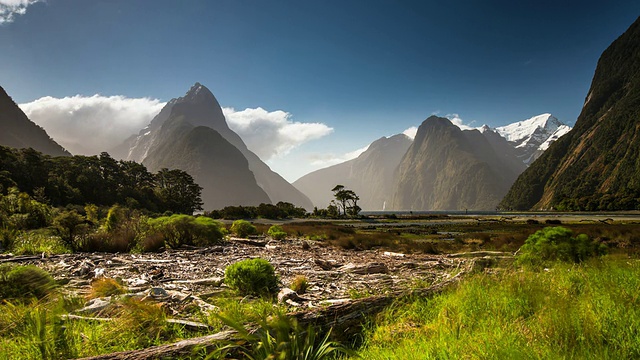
point(70, 224)
point(346, 201)
point(178, 191)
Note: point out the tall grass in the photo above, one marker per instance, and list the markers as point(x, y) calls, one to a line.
point(590, 310)
point(38, 330)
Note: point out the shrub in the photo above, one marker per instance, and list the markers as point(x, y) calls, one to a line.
point(251, 277)
point(188, 230)
point(37, 242)
point(557, 243)
point(243, 228)
point(71, 226)
point(276, 232)
point(24, 282)
point(299, 284)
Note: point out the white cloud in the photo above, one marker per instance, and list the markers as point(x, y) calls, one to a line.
point(411, 132)
point(90, 125)
point(10, 8)
point(328, 159)
point(457, 121)
point(272, 133)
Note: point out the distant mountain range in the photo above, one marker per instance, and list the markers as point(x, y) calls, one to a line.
point(596, 166)
point(447, 168)
point(533, 136)
point(191, 133)
point(444, 168)
point(370, 175)
point(17, 131)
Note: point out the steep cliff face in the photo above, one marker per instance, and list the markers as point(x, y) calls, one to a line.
point(449, 169)
point(17, 131)
point(370, 175)
point(596, 165)
point(214, 163)
point(200, 108)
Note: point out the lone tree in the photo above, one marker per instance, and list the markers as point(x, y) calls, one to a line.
point(346, 200)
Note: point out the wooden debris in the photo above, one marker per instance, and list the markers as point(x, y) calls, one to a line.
point(345, 319)
point(371, 268)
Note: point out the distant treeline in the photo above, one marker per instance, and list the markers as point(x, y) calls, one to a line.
point(281, 210)
point(98, 180)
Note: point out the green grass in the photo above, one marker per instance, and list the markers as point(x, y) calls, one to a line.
point(590, 310)
point(37, 242)
point(36, 330)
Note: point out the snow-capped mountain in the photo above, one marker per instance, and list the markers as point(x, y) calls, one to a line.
point(533, 136)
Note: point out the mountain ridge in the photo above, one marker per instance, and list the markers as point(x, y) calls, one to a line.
point(447, 168)
point(595, 166)
point(18, 131)
point(370, 175)
point(200, 108)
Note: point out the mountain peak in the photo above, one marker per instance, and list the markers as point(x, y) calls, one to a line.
point(197, 93)
point(521, 130)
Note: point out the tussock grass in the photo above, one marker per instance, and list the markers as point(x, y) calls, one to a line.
point(106, 287)
point(589, 310)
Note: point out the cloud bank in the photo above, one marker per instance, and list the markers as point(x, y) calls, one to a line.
point(411, 132)
point(90, 125)
point(10, 8)
point(272, 133)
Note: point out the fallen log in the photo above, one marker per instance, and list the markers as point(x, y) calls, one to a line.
point(346, 319)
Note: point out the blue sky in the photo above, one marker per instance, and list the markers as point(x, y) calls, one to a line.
point(365, 69)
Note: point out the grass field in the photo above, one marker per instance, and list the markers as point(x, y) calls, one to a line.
point(564, 311)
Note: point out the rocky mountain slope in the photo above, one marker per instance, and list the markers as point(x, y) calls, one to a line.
point(17, 131)
point(200, 109)
point(596, 165)
point(446, 168)
point(370, 175)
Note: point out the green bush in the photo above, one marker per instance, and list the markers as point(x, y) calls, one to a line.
point(276, 232)
point(251, 277)
point(24, 282)
point(557, 243)
point(243, 228)
point(180, 230)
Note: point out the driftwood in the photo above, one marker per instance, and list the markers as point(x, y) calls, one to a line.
point(248, 242)
point(189, 325)
point(345, 319)
point(21, 258)
point(480, 254)
point(364, 269)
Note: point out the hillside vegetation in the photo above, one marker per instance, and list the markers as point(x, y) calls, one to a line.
point(596, 166)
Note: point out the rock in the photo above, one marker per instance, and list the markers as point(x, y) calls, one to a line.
point(158, 294)
point(94, 306)
point(287, 294)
